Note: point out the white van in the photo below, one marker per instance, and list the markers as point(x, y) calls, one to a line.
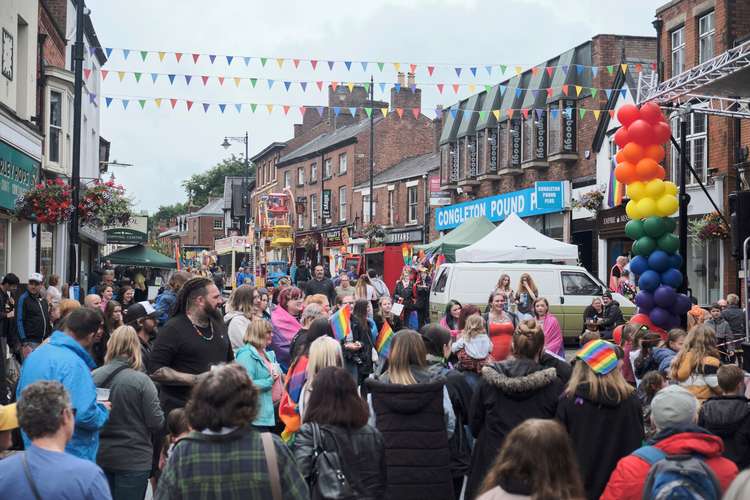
point(569, 289)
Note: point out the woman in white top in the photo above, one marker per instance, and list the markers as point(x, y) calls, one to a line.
point(324, 351)
point(365, 291)
point(53, 292)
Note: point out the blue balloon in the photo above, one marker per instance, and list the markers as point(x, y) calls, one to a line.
point(664, 296)
point(649, 280)
point(645, 301)
point(675, 261)
point(638, 265)
point(672, 277)
point(674, 320)
point(660, 317)
point(682, 304)
point(659, 261)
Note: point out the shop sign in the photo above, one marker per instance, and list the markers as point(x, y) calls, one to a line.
point(333, 238)
point(569, 127)
point(438, 197)
point(134, 233)
point(232, 243)
point(544, 198)
point(326, 204)
point(405, 236)
point(45, 239)
point(18, 174)
point(540, 148)
point(515, 143)
point(611, 222)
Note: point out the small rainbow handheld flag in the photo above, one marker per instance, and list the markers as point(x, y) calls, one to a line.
point(341, 322)
point(599, 355)
point(384, 340)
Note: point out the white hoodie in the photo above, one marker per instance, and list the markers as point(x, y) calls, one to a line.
point(238, 324)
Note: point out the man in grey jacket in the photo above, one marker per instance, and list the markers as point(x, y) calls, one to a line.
point(125, 446)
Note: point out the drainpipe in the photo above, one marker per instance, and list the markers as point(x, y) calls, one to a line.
point(657, 24)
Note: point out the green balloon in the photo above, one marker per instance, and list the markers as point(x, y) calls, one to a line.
point(669, 242)
point(644, 246)
point(670, 224)
point(654, 227)
point(634, 229)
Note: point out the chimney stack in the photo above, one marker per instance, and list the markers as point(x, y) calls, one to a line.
point(410, 82)
point(400, 79)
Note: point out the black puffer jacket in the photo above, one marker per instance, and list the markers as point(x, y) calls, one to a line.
point(509, 393)
point(729, 418)
point(362, 453)
point(736, 319)
point(412, 421)
point(603, 431)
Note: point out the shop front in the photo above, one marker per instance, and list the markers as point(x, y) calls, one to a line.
point(544, 206)
point(306, 247)
point(404, 235)
point(613, 242)
point(334, 242)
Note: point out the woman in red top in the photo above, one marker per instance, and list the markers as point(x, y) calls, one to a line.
point(500, 326)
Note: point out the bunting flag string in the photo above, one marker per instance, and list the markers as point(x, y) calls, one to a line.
point(303, 84)
point(510, 113)
point(296, 62)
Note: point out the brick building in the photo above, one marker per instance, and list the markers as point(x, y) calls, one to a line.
point(329, 155)
point(691, 34)
point(538, 126)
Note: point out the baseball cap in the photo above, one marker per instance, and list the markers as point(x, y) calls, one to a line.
point(673, 407)
point(8, 417)
point(138, 311)
point(36, 277)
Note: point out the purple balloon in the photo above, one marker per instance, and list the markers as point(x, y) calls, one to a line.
point(660, 317)
point(674, 321)
point(682, 304)
point(645, 301)
point(664, 296)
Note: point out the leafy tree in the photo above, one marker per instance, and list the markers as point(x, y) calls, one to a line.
point(210, 184)
point(167, 212)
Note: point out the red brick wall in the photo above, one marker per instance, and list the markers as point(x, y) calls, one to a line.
point(201, 232)
point(54, 45)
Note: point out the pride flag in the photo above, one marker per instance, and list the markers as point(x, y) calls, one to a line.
point(341, 322)
point(614, 197)
point(384, 340)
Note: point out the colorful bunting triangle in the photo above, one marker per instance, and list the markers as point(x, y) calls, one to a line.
point(489, 70)
point(125, 103)
point(314, 64)
point(205, 79)
point(108, 50)
point(331, 64)
point(350, 86)
point(253, 106)
point(400, 112)
point(247, 60)
point(319, 84)
point(86, 73)
point(353, 111)
point(596, 114)
point(212, 58)
point(578, 90)
point(237, 81)
point(178, 56)
point(610, 69)
point(482, 115)
point(384, 111)
point(296, 63)
point(503, 67)
point(187, 79)
point(270, 83)
point(205, 107)
point(303, 86)
point(287, 84)
point(137, 77)
point(121, 75)
point(125, 53)
point(624, 68)
point(280, 62)
point(269, 107)
point(581, 112)
point(154, 77)
point(320, 110)
point(380, 66)
point(229, 60)
point(104, 73)
point(171, 79)
point(286, 109)
point(348, 65)
point(457, 69)
point(263, 61)
point(415, 112)
point(368, 112)
point(173, 102)
point(238, 107)
point(455, 88)
point(397, 66)
point(108, 101)
point(142, 102)
point(496, 114)
point(144, 54)
point(221, 108)
point(364, 65)
point(430, 70)
point(195, 58)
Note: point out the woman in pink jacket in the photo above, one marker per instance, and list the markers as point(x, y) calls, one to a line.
point(553, 338)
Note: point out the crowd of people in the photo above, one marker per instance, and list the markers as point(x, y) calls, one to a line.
point(338, 388)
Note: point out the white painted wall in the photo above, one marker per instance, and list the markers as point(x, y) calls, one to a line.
point(20, 93)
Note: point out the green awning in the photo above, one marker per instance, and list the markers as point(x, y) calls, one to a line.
point(464, 235)
point(141, 256)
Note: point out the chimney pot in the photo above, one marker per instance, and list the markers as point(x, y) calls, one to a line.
point(410, 79)
point(401, 79)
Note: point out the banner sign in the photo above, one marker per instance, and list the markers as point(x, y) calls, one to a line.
point(134, 233)
point(232, 243)
point(326, 204)
point(438, 197)
point(18, 174)
point(544, 198)
point(569, 128)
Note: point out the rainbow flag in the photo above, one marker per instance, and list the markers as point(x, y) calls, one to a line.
point(341, 322)
point(289, 406)
point(177, 256)
point(614, 197)
point(384, 340)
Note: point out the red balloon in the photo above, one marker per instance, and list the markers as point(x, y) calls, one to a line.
point(655, 152)
point(642, 132)
point(661, 132)
point(622, 137)
point(643, 319)
point(628, 114)
point(617, 334)
point(652, 113)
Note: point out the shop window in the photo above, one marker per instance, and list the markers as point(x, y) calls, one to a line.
point(342, 204)
point(413, 202)
point(697, 151)
point(704, 270)
point(706, 35)
point(549, 225)
point(579, 284)
point(46, 248)
point(218, 224)
point(55, 126)
point(678, 51)
point(342, 163)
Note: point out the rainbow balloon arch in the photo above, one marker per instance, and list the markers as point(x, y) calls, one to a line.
point(653, 200)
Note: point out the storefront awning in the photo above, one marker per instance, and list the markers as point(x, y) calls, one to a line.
point(467, 233)
point(141, 256)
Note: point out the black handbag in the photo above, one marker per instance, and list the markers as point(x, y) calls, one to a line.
point(328, 479)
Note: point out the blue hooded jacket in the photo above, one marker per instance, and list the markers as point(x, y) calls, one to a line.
point(163, 305)
point(64, 360)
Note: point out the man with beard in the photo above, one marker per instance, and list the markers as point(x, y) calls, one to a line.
point(142, 317)
point(190, 343)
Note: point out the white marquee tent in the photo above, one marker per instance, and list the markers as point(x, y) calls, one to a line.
point(514, 241)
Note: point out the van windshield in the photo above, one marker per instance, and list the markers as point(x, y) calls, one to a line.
point(439, 286)
point(579, 284)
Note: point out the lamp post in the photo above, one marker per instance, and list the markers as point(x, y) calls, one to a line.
point(245, 195)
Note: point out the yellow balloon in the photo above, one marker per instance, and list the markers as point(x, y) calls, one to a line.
point(632, 210)
point(636, 190)
point(647, 207)
point(670, 188)
point(655, 188)
point(667, 205)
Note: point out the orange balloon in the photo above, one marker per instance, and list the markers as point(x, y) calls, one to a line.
point(625, 173)
point(633, 152)
point(655, 152)
point(660, 172)
point(620, 157)
point(646, 169)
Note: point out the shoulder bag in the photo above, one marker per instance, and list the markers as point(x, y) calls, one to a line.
point(27, 473)
point(269, 449)
point(329, 480)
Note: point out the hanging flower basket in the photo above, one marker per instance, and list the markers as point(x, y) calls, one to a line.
point(47, 202)
point(309, 244)
point(591, 200)
point(374, 233)
point(709, 227)
point(104, 204)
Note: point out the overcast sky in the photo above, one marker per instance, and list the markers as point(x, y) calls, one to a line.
point(166, 146)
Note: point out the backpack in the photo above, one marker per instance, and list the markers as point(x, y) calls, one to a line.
point(673, 477)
